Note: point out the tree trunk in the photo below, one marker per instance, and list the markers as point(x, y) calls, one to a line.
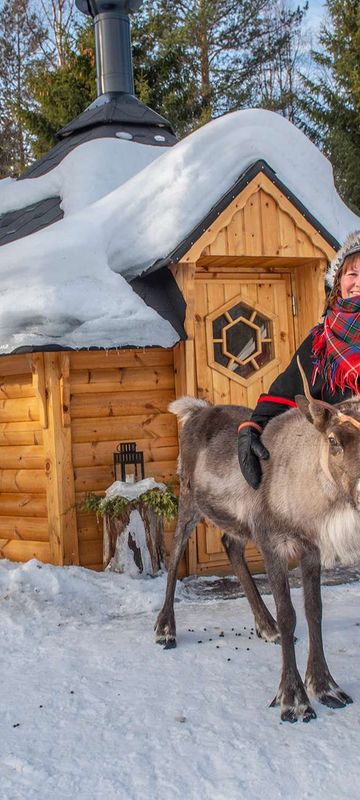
point(134, 542)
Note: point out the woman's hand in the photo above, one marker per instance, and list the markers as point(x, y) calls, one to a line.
point(250, 451)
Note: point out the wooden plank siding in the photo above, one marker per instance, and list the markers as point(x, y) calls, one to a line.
point(261, 221)
point(219, 385)
point(23, 506)
point(114, 397)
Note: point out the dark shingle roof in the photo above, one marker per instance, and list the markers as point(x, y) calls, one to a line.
point(121, 108)
point(16, 224)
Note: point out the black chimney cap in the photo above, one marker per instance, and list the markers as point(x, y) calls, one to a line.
point(95, 7)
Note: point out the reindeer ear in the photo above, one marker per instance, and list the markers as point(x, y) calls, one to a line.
point(316, 411)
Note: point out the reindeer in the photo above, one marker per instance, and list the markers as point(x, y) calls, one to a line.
point(307, 507)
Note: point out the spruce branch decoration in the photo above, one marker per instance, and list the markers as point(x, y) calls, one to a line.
point(163, 502)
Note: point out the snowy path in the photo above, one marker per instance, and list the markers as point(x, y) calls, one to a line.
point(92, 708)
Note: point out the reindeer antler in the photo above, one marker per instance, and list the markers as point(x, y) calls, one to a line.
point(304, 380)
point(346, 418)
point(341, 417)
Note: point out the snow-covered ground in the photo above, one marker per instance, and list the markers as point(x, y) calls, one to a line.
point(92, 708)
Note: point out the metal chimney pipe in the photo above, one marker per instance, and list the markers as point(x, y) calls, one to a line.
point(114, 71)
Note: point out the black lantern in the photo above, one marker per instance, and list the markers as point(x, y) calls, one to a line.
point(131, 463)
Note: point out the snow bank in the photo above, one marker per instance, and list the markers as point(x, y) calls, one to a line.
point(99, 594)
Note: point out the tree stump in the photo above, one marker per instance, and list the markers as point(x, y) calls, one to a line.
point(134, 542)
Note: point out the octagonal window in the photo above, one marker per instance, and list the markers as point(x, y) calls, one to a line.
point(243, 340)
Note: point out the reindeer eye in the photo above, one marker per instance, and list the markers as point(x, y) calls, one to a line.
point(333, 442)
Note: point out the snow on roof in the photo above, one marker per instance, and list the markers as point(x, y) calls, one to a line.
point(127, 208)
point(87, 173)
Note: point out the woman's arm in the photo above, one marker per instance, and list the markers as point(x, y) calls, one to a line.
point(280, 397)
point(282, 392)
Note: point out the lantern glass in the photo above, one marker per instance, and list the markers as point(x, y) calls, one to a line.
point(128, 463)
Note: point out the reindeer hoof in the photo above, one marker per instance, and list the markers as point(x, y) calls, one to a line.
point(297, 709)
point(308, 714)
point(346, 698)
point(165, 637)
point(170, 644)
point(289, 715)
point(165, 631)
point(292, 714)
point(335, 699)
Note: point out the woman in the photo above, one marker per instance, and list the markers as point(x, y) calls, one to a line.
point(330, 357)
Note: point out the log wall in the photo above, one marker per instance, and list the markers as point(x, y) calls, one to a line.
point(119, 396)
point(62, 416)
point(23, 498)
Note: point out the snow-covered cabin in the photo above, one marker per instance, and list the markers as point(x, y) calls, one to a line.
point(133, 269)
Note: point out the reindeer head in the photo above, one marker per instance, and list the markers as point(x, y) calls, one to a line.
point(341, 434)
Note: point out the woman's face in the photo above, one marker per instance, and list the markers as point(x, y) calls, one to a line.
point(350, 279)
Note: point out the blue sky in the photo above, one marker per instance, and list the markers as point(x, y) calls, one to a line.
point(316, 12)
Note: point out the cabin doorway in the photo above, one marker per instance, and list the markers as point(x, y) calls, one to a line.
point(244, 337)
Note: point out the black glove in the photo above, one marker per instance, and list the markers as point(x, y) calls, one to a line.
point(250, 450)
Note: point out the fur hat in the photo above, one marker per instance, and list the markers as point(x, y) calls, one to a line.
point(350, 246)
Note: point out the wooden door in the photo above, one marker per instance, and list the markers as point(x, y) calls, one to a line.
point(244, 338)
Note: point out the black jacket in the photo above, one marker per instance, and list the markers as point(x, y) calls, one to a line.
point(282, 392)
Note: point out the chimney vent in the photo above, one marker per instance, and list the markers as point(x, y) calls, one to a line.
point(114, 72)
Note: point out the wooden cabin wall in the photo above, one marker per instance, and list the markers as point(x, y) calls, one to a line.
point(308, 282)
point(263, 227)
point(62, 416)
point(119, 396)
point(23, 498)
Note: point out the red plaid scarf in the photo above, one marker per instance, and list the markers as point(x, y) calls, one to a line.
point(336, 346)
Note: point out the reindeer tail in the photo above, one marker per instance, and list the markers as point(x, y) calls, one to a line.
point(184, 407)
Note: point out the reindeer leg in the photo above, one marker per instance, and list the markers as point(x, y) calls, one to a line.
point(318, 680)
point(266, 627)
point(165, 628)
point(291, 694)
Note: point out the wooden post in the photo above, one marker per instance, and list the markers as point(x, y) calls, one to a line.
point(63, 539)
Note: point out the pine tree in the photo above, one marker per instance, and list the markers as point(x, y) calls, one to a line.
point(233, 49)
point(333, 98)
point(7, 143)
point(20, 39)
point(59, 94)
point(220, 35)
point(277, 82)
point(164, 70)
